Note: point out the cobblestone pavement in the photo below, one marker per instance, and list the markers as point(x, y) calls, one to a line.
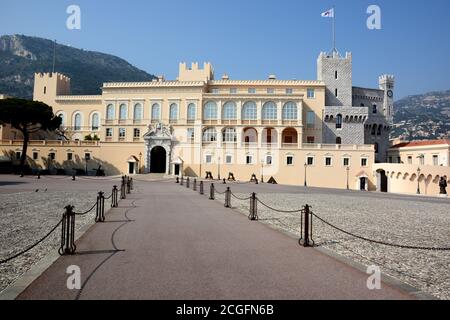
point(400, 221)
point(26, 216)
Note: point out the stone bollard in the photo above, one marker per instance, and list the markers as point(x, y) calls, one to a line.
point(194, 187)
point(253, 214)
point(228, 198)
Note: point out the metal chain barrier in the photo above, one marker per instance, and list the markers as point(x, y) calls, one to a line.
point(378, 241)
point(32, 246)
point(253, 211)
point(211, 192)
point(278, 210)
point(100, 214)
point(202, 192)
point(239, 198)
point(86, 212)
point(228, 198)
point(68, 246)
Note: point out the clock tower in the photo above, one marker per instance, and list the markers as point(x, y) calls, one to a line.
point(386, 83)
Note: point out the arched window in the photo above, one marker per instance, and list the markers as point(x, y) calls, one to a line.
point(110, 112)
point(123, 112)
point(173, 115)
point(156, 112)
point(229, 111)
point(269, 111)
point(374, 108)
point(210, 111)
point(249, 111)
point(63, 118)
point(191, 111)
point(339, 121)
point(209, 135)
point(95, 122)
point(380, 127)
point(374, 129)
point(77, 122)
point(229, 135)
point(338, 140)
point(137, 114)
point(290, 111)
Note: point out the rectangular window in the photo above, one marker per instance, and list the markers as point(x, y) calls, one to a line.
point(435, 160)
point(336, 92)
point(136, 133)
point(233, 91)
point(251, 90)
point(422, 159)
point(310, 119)
point(328, 161)
point(35, 155)
point(248, 159)
point(190, 134)
point(310, 140)
point(122, 133)
point(109, 132)
point(289, 91)
point(363, 162)
point(409, 160)
point(228, 159)
point(290, 160)
point(336, 74)
point(51, 156)
point(310, 161)
point(87, 156)
point(208, 158)
point(346, 162)
point(310, 93)
point(269, 160)
point(215, 91)
point(374, 108)
point(69, 156)
point(270, 90)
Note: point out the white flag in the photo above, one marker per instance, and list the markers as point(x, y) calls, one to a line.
point(328, 14)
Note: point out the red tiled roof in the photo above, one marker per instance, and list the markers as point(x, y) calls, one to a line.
point(421, 143)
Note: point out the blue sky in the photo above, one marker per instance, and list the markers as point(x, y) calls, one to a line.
point(250, 39)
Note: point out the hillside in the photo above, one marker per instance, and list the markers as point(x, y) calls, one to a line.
point(425, 116)
point(22, 56)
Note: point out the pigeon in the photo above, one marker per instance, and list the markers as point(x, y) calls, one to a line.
point(37, 190)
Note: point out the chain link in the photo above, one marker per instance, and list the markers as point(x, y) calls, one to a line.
point(32, 246)
point(278, 210)
point(378, 241)
point(86, 212)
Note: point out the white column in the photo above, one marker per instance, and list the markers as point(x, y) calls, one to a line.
point(259, 111)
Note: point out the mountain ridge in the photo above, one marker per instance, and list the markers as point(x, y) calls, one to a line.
point(22, 56)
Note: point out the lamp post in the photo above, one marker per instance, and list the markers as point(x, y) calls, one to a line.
point(140, 163)
point(218, 167)
point(418, 176)
point(306, 166)
point(348, 171)
point(262, 170)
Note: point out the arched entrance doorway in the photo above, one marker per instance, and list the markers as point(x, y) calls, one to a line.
point(158, 160)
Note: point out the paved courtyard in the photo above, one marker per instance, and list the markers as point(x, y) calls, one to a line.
point(398, 219)
point(168, 242)
point(30, 208)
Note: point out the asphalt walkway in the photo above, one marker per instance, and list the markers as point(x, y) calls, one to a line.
point(168, 242)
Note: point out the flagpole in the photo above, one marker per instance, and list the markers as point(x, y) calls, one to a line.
point(334, 29)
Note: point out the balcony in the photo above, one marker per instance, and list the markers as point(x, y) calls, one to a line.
point(289, 145)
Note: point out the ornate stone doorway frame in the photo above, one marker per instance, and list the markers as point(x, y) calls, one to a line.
point(159, 135)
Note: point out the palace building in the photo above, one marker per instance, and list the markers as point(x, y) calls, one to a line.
point(323, 132)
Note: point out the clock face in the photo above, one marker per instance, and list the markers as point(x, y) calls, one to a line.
point(390, 94)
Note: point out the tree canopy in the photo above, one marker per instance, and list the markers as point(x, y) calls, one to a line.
point(27, 115)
